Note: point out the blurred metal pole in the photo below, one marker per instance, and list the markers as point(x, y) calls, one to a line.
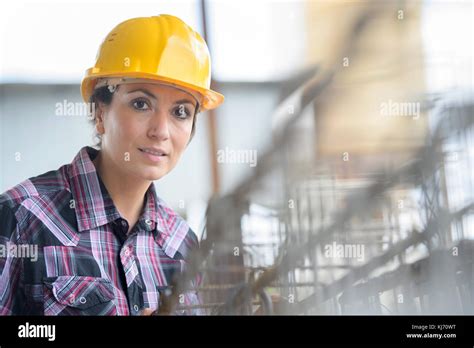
point(212, 125)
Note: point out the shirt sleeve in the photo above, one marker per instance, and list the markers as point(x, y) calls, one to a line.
point(11, 298)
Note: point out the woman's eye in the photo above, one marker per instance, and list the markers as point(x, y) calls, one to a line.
point(181, 112)
point(140, 104)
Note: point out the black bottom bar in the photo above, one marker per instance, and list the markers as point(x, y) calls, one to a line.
point(222, 330)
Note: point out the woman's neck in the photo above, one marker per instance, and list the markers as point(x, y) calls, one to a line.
point(126, 192)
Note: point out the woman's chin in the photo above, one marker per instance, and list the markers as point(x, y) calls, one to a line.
point(152, 174)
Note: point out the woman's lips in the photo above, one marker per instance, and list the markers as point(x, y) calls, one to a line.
point(153, 154)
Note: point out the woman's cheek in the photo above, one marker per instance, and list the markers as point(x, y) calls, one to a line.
point(129, 131)
point(183, 131)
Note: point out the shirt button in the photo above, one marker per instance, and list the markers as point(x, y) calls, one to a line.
point(82, 300)
point(135, 308)
point(127, 252)
point(148, 222)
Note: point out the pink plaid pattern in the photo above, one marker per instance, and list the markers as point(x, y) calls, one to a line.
point(87, 264)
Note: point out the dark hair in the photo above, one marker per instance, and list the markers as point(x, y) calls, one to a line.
point(104, 95)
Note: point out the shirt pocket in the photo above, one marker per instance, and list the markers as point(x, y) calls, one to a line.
point(70, 261)
point(78, 295)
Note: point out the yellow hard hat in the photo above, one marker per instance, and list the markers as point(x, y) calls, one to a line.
point(161, 49)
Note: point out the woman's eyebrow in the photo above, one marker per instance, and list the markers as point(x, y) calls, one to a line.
point(151, 95)
point(185, 101)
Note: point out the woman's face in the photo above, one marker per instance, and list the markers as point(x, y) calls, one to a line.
point(146, 128)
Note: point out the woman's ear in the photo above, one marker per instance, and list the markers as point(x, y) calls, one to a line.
point(99, 118)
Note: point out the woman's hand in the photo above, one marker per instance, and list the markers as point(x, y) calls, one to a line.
point(147, 311)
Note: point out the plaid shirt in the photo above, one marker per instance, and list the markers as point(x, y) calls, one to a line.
point(86, 264)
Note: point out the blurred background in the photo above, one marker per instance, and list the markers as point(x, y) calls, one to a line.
point(323, 99)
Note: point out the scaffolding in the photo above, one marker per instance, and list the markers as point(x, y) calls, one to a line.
point(306, 234)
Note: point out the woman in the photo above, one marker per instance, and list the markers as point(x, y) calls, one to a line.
point(107, 244)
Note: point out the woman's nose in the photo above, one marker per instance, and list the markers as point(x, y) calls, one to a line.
point(159, 126)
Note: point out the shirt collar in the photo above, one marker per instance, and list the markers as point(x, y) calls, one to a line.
point(94, 206)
